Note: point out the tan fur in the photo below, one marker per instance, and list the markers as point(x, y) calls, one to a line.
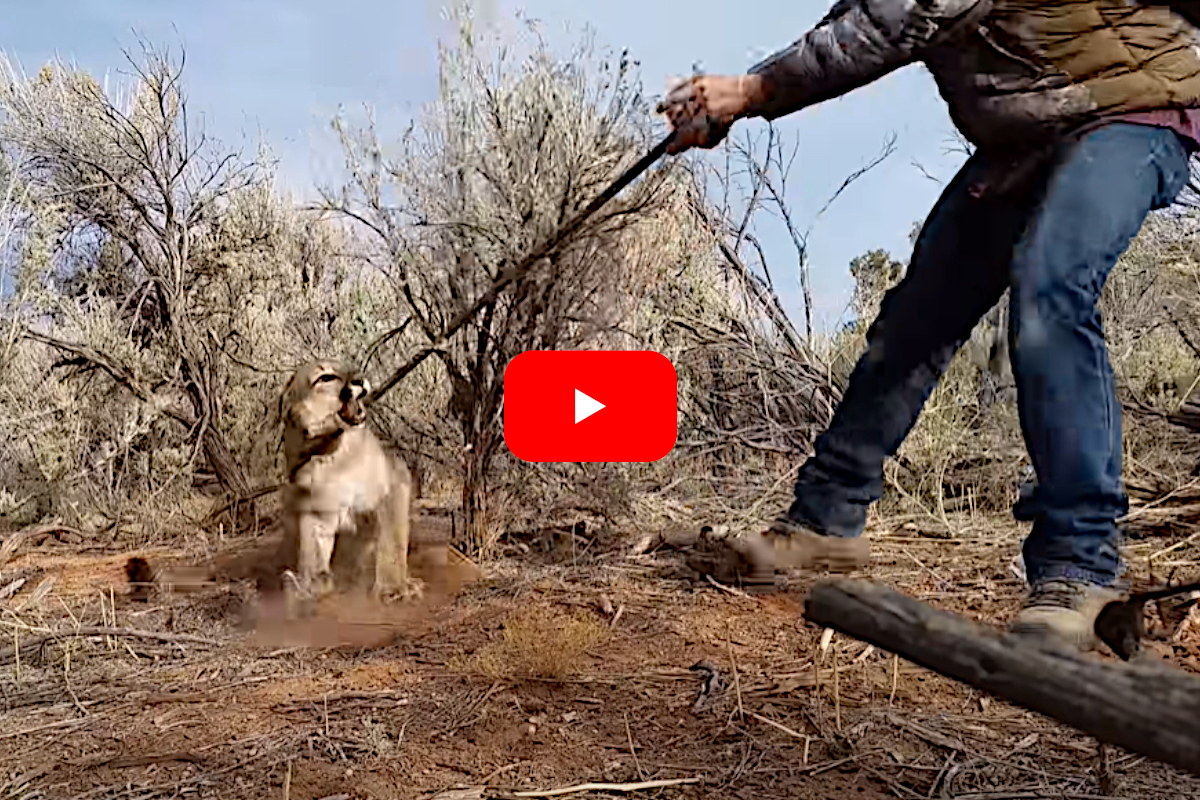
point(347, 503)
point(346, 509)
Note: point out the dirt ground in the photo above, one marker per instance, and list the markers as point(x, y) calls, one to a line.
point(560, 668)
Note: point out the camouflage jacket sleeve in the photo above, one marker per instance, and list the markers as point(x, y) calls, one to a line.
point(857, 42)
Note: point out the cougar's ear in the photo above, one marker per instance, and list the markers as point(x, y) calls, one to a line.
point(292, 380)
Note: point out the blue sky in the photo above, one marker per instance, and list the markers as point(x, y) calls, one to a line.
point(280, 69)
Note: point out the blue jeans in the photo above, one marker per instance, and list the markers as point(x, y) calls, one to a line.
point(1054, 243)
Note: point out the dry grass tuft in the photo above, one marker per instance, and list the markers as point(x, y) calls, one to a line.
point(542, 641)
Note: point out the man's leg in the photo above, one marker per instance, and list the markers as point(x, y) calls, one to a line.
point(1097, 196)
point(959, 269)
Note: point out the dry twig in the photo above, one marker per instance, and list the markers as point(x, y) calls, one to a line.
point(609, 787)
point(32, 643)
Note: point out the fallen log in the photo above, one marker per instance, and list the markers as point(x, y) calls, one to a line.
point(1147, 709)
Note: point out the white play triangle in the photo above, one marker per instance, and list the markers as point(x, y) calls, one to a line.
point(585, 406)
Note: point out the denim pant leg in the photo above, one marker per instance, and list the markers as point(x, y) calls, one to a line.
point(958, 270)
point(1096, 196)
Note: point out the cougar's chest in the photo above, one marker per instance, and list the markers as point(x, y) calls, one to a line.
point(351, 480)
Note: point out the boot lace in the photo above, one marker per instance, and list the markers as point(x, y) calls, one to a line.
point(1055, 594)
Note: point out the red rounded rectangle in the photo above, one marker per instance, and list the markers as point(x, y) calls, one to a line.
point(590, 405)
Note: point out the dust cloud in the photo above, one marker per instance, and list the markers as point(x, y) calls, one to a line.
point(342, 621)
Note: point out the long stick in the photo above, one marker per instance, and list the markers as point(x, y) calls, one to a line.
point(515, 271)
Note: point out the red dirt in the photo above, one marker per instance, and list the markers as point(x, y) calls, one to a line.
point(407, 718)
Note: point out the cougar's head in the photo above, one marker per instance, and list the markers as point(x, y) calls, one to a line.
point(318, 392)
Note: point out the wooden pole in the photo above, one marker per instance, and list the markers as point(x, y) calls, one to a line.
point(1148, 709)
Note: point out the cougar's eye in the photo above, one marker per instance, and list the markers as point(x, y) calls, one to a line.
point(327, 377)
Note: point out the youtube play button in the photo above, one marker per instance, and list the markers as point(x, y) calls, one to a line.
point(585, 406)
point(590, 405)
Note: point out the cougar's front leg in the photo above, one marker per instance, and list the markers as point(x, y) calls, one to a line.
point(353, 561)
point(317, 536)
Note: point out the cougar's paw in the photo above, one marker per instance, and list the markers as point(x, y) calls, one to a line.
point(324, 586)
point(413, 589)
point(301, 595)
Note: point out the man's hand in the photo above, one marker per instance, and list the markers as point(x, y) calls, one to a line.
point(703, 108)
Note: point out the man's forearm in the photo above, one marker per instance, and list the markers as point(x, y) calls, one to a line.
point(858, 42)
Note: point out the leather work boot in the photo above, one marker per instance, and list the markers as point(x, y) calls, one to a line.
point(798, 546)
point(744, 561)
point(748, 562)
point(1063, 612)
point(751, 561)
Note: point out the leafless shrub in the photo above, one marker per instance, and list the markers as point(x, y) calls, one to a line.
point(157, 284)
point(966, 451)
point(511, 150)
point(754, 391)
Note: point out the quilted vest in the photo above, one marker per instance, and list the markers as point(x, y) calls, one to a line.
point(1033, 69)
